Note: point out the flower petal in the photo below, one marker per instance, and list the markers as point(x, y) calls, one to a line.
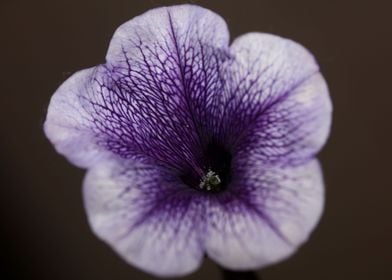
point(295, 129)
point(269, 213)
point(166, 62)
point(149, 99)
point(170, 31)
point(275, 100)
point(68, 124)
point(146, 215)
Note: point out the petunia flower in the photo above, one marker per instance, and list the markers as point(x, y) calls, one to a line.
point(195, 147)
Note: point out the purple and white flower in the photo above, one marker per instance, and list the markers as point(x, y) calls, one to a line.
point(196, 147)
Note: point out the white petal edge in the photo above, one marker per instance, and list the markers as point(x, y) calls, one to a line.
point(159, 25)
point(68, 125)
point(277, 63)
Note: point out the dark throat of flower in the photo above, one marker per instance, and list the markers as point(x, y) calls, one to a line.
point(216, 170)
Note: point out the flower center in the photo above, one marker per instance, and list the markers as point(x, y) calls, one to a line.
point(214, 172)
point(210, 182)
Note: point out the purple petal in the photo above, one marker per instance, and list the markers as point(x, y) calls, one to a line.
point(146, 215)
point(267, 214)
point(166, 64)
point(150, 98)
point(275, 101)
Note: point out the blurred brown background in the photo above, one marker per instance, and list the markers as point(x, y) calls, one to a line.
point(44, 234)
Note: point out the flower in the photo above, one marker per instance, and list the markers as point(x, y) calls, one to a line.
point(196, 147)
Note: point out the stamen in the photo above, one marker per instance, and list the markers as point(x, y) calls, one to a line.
point(210, 181)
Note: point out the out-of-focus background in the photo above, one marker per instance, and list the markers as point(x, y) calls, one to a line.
point(43, 228)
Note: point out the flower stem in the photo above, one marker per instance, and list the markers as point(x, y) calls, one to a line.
point(238, 275)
